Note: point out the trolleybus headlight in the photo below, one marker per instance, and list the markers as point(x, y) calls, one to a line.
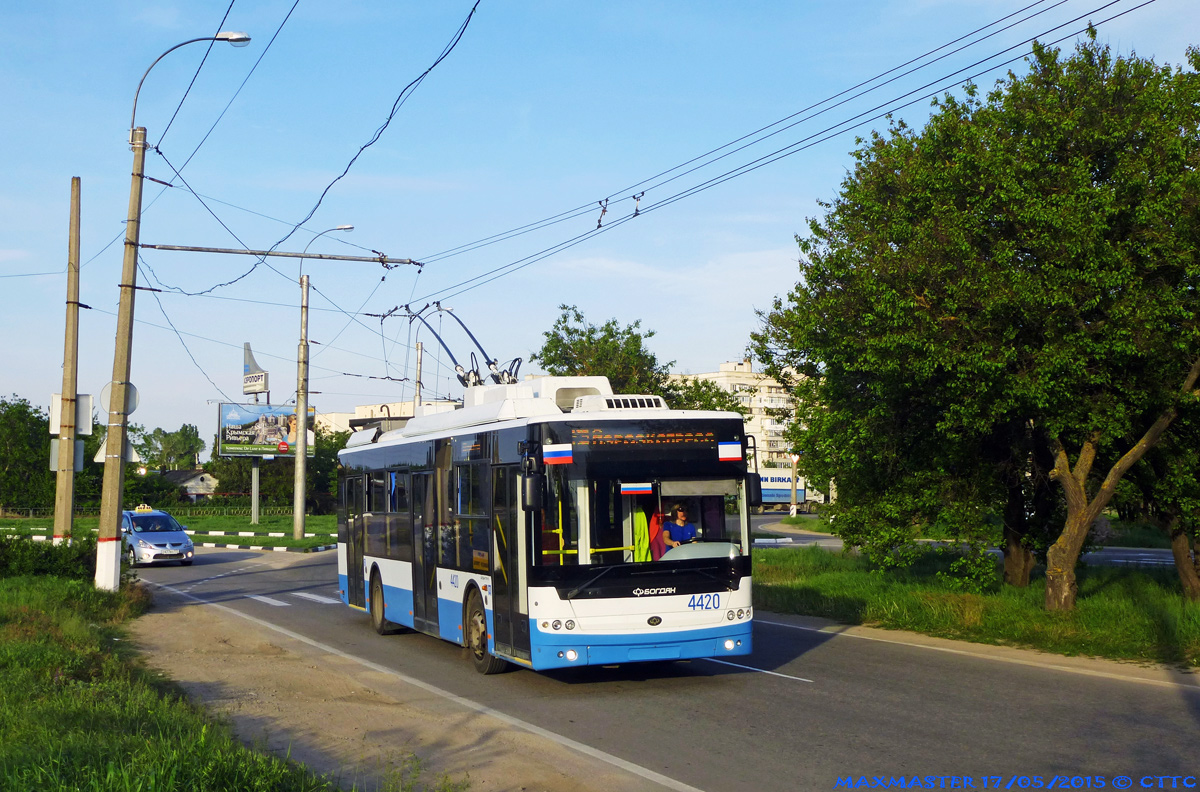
point(740, 613)
point(572, 655)
point(729, 644)
point(570, 624)
point(730, 615)
point(557, 625)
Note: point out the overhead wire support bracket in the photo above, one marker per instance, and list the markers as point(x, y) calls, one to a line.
point(379, 259)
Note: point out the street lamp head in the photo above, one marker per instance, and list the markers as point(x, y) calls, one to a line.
point(235, 37)
point(344, 228)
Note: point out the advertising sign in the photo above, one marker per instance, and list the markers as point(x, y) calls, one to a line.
point(254, 379)
point(261, 430)
point(777, 486)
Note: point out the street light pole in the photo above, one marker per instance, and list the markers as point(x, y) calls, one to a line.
point(108, 538)
point(301, 466)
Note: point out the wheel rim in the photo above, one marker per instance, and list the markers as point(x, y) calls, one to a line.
point(376, 603)
point(477, 630)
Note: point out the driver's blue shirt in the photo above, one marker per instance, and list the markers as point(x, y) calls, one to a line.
point(680, 533)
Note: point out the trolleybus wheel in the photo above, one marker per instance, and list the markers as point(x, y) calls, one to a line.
point(378, 620)
point(485, 662)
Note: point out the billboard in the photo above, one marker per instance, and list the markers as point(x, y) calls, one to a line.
point(777, 486)
point(261, 430)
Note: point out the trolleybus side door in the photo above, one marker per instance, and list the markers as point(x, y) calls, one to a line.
point(424, 511)
point(356, 538)
point(511, 621)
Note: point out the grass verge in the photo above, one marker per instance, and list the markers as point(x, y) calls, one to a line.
point(1121, 614)
point(78, 711)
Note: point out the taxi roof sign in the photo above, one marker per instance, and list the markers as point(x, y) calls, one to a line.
point(143, 508)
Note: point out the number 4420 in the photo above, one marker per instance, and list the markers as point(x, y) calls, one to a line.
point(705, 602)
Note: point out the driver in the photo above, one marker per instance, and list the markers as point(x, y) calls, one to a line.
point(679, 530)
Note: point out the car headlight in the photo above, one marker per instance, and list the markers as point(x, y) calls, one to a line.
point(142, 543)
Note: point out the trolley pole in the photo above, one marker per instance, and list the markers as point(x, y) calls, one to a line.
point(108, 539)
point(417, 381)
point(64, 499)
point(301, 415)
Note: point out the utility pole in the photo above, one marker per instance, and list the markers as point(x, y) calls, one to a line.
point(64, 500)
point(108, 550)
point(301, 415)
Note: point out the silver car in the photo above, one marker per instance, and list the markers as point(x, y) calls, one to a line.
point(152, 536)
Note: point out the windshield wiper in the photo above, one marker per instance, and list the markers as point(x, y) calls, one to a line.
point(571, 594)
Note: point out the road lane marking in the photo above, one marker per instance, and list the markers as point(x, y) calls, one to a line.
point(566, 742)
point(752, 668)
point(981, 656)
point(268, 600)
point(315, 598)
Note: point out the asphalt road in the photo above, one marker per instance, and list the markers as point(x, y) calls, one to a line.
point(806, 709)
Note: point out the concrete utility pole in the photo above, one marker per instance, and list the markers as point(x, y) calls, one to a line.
point(301, 415)
point(64, 500)
point(795, 461)
point(108, 550)
point(108, 539)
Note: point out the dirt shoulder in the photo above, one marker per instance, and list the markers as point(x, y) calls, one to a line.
point(343, 718)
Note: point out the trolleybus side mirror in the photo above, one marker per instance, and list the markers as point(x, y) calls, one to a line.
point(753, 489)
point(533, 494)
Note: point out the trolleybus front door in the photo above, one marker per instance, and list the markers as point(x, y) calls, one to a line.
point(510, 616)
point(425, 610)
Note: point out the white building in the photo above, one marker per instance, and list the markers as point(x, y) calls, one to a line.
point(761, 396)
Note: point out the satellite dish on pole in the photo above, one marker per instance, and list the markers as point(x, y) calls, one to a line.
point(131, 398)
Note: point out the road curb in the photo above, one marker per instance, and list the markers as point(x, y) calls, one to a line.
point(319, 549)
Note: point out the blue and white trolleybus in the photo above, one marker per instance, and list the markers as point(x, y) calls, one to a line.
point(525, 526)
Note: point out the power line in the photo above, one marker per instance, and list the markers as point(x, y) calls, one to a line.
point(803, 144)
point(195, 76)
point(588, 207)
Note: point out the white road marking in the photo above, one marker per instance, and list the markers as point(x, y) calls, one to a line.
point(268, 600)
point(567, 742)
point(752, 668)
point(316, 598)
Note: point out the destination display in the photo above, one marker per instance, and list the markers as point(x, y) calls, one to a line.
point(259, 430)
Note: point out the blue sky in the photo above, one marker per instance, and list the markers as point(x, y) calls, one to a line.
point(543, 107)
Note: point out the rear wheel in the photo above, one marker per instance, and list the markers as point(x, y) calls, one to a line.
point(477, 638)
point(378, 619)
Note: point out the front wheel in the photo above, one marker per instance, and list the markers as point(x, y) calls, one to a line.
point(477, 638)
point(132, 558)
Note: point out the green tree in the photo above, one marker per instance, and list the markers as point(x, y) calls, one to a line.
point(25, 477)
point(576, 347)
point(1003, 299)
point(693, 393)
point(178, 450)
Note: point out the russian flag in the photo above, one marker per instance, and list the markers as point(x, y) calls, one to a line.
point(729, 452)
point(637, 489)
point(557, 454)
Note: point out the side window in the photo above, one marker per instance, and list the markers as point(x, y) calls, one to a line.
point(558, 525)
point(377, 507)
point(399, 519)
point(471, 517)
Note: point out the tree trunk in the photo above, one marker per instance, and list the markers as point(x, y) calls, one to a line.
point(1061, 588)
point(1018, 559)
point(1187, 562)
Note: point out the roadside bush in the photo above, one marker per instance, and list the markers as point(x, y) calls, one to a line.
point(20, 555)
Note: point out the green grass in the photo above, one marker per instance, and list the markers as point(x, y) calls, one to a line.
point(808, 522)
point(1122, 614)
point(78, 711)
point(325, 525)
